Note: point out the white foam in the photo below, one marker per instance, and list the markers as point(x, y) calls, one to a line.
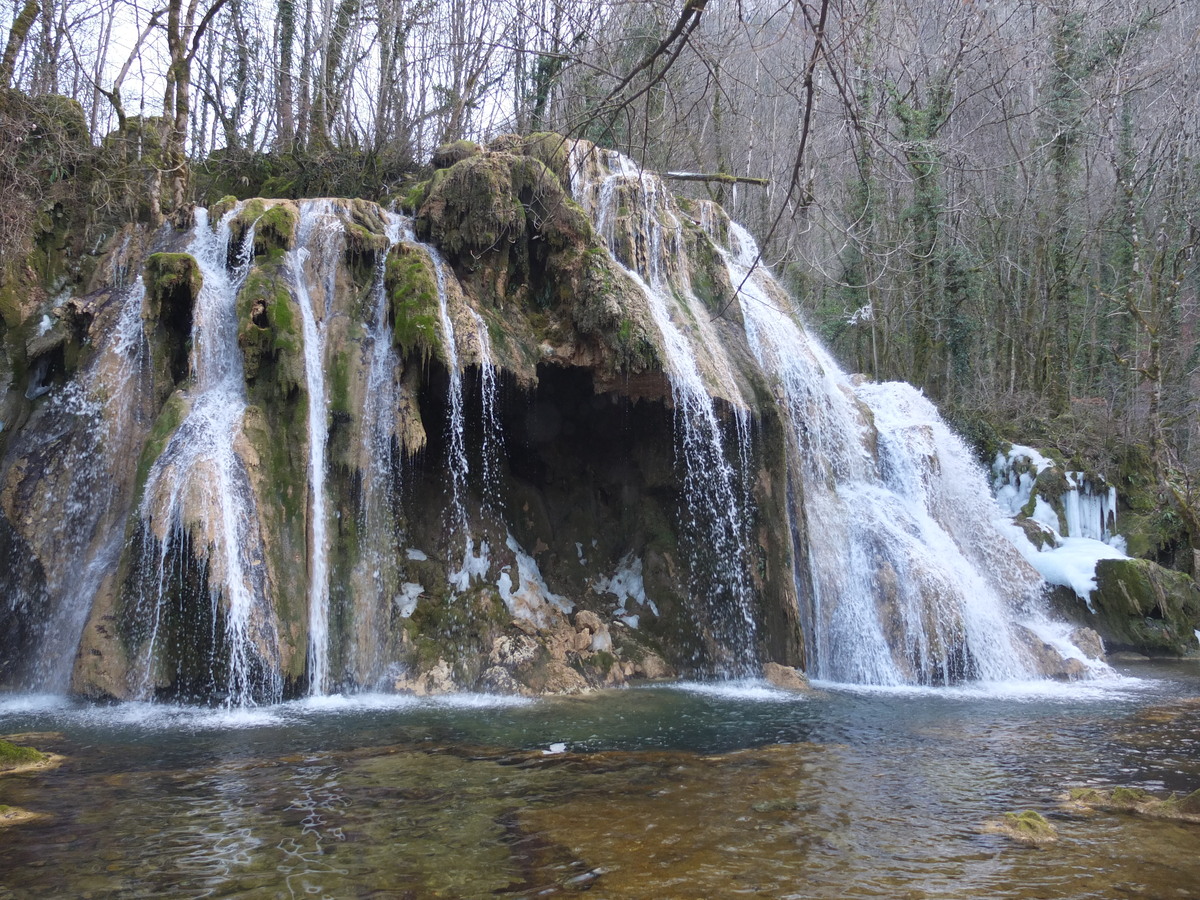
point(752, 690)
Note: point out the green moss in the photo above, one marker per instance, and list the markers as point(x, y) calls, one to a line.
point(1144, 607)
point(1030, 824)
point(603, 661)
point(166, 273)
point(339, 383)
point(269, 331)
point(412, 289)
point(448, 155)
point(1125, 796)
point(458, 629)
point(217, 211)
point(473, 210)
point(169, 418)
point(550, 149)
point(413, 199)
point(708, 274)
point(274, 226)
point(12, 755)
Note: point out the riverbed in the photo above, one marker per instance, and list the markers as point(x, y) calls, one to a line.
point(727, 789)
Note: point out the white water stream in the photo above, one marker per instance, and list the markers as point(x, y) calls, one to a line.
point(198, 489)
point(314, 261)
point(911, 581)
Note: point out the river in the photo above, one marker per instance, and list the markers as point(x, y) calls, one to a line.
point(675, 791)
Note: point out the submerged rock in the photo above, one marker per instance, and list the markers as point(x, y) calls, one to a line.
point(1185, 807)
point(1029, 827)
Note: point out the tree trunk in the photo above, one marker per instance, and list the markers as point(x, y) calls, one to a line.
point(16, 40)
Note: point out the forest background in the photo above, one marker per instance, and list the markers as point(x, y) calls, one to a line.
point(996, 200)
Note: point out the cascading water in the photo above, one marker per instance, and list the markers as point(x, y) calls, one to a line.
point(106, 422)
point(272, 541)
point(910, 579)
point(319, 237)
point(712, 512)
point(492, 443)
point(379, 513)
point(198, 500)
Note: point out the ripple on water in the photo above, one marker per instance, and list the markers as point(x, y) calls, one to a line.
point(685, 791)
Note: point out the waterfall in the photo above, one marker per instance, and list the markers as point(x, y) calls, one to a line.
point(473, 564)
point(491, 449)
point(314, 261)
point(712, 512)
point(198, 497)
point(100, 416)
point(911, 581)
point(379, 514)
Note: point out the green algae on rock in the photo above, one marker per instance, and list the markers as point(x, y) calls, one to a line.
point(1027, 827)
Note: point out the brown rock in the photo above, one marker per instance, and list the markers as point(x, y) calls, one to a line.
point(1090, 642)
point(785, 677)
point(586, 620)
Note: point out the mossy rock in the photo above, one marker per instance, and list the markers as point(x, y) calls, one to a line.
point(484, 203)
point(269, 332)
point(1135, 800)
point(167, 273)
point(1027, 827)
point(173, 282)
point(366, 230)
point(274, 226)
point(173, 412)
point(1144, 607)
point(552, 150)
point(217, 211)
point(451, 154)
point(412, 287)
point(473, 209)
point(141, 139)
point(14, 756)
point(412, 198)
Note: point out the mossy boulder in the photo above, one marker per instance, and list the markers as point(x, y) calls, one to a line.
point(167, 274)
point(173, 412)
point(1144, 607)
point(1028, 827)
point(366, 232)
point(13, 756)
point(451, 154)
point(552, 150)
point(412, 287)
point(1183, 807)
point(269, 332)
point(217, 211)
point(488, 201)
point(274, 226)
point(173, 282)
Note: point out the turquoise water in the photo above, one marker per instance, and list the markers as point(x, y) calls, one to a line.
point(729, 790)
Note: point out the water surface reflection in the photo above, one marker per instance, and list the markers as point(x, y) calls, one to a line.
point(689, 791)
